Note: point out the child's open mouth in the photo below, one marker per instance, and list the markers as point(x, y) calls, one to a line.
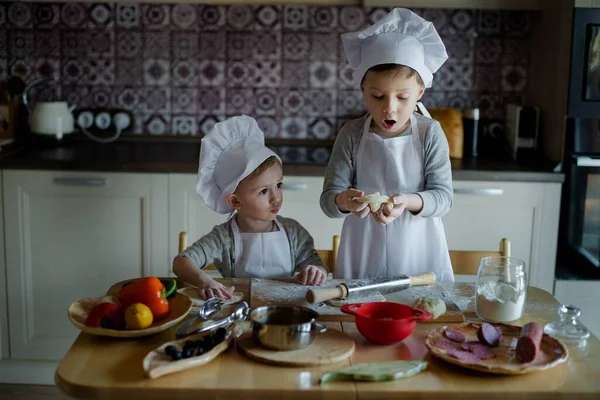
point(389, 123)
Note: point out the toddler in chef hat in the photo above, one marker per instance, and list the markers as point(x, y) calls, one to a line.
point(394, 151)
point(240, 176)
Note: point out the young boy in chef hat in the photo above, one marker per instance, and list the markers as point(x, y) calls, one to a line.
point(239, 175)
point(394, 151)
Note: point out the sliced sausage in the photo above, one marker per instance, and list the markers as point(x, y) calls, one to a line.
point(489, 334)
point(454, 335)
point(479, 349)
point(445, 345)
point(528, 344)
point(464, 355)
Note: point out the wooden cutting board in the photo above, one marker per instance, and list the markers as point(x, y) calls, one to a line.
point(329, 347)
point(288, 292)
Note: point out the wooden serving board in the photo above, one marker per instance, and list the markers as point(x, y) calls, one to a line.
point(328, 347)
point(286, 291)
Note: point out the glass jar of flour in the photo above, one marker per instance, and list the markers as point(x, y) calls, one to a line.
point(501, 289)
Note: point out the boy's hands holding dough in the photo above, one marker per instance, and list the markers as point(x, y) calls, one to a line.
point(349, 201)
point(398, 203)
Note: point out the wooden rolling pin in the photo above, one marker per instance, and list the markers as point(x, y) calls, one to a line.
point(355, 289)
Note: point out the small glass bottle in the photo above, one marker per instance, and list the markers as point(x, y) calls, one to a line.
point(501, 289)
point(570, 330)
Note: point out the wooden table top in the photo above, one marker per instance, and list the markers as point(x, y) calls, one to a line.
point(104, 368)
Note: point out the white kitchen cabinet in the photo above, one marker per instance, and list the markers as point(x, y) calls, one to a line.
point(586, 296)
point(71, 235)
point(524, 212)
point(301, 202)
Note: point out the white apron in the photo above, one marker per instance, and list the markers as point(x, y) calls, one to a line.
point(408, 245)
point(262, 254)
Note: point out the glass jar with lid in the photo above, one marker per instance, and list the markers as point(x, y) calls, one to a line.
point(570, 330)
point(501, 289)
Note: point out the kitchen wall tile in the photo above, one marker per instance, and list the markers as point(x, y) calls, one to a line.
point(184, 72)
point(46, 16)
point(73, 15)
point(211, 101)
point(295, 74)
point(129, 72)
point(184, 16)
point(180, 68)
point(47, 42)
point(352, 19)
point(155, 16)
point(19, 15)
point(207, 122)
point(294, 128)
point(268, 17)
point(269, 125)
point(2, 14)
point(184, 100)
point(128, 98)
point(157, 125)
point(46, 67)
point(240, 101)
point(184, 125)
point(211, 18)
point(101, 15)
point(321, 128)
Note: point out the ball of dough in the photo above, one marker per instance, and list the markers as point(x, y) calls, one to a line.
point(434, 305)
point(375, 201)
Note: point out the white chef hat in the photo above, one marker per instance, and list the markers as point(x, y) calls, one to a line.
point(231, 151)
point(401, 37)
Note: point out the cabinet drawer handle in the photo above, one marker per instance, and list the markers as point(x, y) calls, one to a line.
point(480, 191)
point(294, 186)
point(80, 181)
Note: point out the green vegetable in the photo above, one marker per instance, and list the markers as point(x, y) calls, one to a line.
point(170, 287)
point(376, 371)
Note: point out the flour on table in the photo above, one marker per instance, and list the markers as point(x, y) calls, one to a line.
point(197, 301)
point(364, 299)
point(289, 292)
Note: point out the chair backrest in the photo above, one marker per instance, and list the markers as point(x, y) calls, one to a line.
point(183, 246)
point(466, 262)
point(328, 256)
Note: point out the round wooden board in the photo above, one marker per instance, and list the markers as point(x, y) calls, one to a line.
point(180, 305)
point(329, 347)
point(552, 352)
point(192, 293)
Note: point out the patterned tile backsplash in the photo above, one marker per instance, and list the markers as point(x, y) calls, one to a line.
point(179, 68)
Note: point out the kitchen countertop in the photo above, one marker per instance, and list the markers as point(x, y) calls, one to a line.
point(181, 156)
point(97, 367)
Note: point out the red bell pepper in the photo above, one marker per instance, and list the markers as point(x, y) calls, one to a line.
point(149, 291)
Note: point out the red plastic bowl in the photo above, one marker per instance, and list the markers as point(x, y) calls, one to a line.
point(385, 322)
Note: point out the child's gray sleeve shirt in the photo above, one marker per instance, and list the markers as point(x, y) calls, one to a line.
point(340, 174)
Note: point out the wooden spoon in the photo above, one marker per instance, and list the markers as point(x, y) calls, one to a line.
point(157, 363)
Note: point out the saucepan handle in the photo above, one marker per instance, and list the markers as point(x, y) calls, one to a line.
point(351, 308)
point(319, 327)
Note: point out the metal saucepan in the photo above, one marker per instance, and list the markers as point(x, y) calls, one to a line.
point(284, 327)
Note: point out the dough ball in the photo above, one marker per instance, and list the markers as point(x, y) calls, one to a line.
point(375, 201)
point(434, 305)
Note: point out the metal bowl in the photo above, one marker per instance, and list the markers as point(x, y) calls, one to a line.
point(284, 327)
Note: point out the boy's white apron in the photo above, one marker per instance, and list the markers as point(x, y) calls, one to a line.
point(408, 245)
point(261, 255)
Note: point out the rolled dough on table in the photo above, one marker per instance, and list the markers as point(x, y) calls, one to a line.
point(192, 293)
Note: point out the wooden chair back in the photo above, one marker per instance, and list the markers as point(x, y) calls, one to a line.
point(328, 256)
point(466, 262)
